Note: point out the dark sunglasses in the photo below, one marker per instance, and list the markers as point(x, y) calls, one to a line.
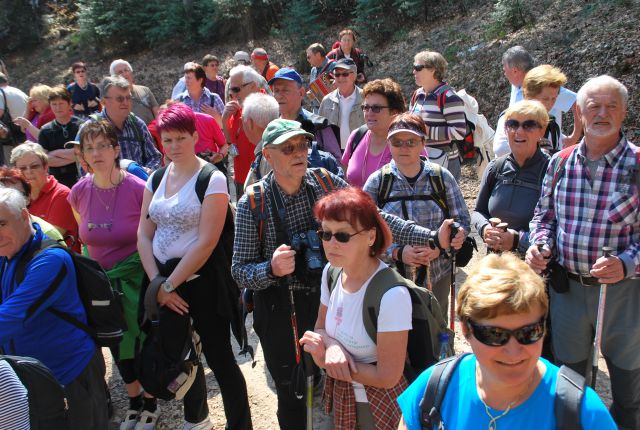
point(411, 143)
point(528, 125)
point(497, 336)
point(373, 108)
point(290, 148)
point(340, 236)
point(238, 89)
point(343, 75)
point(419, 67)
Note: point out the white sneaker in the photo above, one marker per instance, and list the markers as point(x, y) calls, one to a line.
point(148, 420)
point(202, 425)
point(130, 419)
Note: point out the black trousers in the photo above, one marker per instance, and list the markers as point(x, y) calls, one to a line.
point(214, 331)
point(87, 397)
point(272, 323)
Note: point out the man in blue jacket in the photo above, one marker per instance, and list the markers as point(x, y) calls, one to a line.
point(27, 328)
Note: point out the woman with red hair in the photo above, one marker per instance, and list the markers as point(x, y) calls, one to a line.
point(363, 374)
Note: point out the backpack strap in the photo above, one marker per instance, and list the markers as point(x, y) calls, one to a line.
point(333, 274)
point(386, 183)
point(323, 178)
point(157, 178)
point(439, 191)
point(563, 156)
point(357, 138)
point(568, 401)
point(202, 183)
point(435, 391)
point(255, 195)
point(496, 171)
point(381, 282)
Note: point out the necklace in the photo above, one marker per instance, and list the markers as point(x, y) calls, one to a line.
point(65, 129)
point(363, 174)
point(110, 190)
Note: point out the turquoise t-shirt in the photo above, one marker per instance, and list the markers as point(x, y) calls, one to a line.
point(463, 409)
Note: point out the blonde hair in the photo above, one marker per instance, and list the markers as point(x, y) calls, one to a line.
point(28, 148)
point(541, 77)
point(40, 92)
point(433, 60)
point(529, 108)
point(500, 285)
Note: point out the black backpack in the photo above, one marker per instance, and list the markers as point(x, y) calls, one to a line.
point(427, 319)
point(357, 138)
point(105, 315)
point(48, 406)
point(569, 393)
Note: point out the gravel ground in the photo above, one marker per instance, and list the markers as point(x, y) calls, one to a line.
point(262, 396)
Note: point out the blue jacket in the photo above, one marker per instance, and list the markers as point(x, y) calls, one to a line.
point(62, 347)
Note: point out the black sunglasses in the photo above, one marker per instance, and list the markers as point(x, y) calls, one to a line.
point(497, 336)
point(528, 125)
point(340, 236)
point(373, 108)
point(419, 67)
point(341, 75)
point(238, 89)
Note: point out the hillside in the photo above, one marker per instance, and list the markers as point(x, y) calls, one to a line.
point(583, 38)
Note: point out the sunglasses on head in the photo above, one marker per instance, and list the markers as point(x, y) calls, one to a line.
point(497, 336)
point(290, 148)
point(528, 125)
point(341, 75)
point(373, 108)
point(419, 67)
point(340, 236)
point(238, 89)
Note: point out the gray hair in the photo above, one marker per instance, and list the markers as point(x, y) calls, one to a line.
point(518, 57)
point(248, 74)
point(261, 108)
point(602, 81)
point(13, 200)
point(28, 148)
point(116, 63)
point(3, 79)
point(113, 81)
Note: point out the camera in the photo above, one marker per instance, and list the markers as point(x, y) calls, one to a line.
point(307, 244)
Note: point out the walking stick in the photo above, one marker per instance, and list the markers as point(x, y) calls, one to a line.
point(494, 223)
point(294, 325)
point(452, 301)
point(597, 339)
point(308, 369)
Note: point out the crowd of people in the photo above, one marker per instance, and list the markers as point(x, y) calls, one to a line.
point(325, 184)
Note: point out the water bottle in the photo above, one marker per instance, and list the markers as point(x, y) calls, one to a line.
point(233, 150)
point(445, 349)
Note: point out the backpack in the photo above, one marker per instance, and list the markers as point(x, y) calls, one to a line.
point(439, 196)
point(357, 138)
point(48, 406)
point(102, 304)
point(132, 118)
point(427, 319)
point(568, 400)
point(495, 173)
point(11, 134)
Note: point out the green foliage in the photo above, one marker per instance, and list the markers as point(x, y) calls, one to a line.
point(508, 16)
point(20, 25)
point(301, 24)
point(375, 19)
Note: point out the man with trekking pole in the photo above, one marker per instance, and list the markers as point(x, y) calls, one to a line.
point(588, 216)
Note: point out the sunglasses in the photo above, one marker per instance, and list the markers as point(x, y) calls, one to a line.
point(290, 148)
point(236, 90)
point(411, 143)
point(373, 108)
point(419, 67)
point(342, 75)
point(497, 336)
point(340, 236)
point(528, 125)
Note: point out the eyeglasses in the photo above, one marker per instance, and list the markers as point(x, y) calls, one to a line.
point(238, 89)
point(342, 75)
point(528, 125)
point(373, 108)
point(411, 143)
point(32, 167)
point(98, 148)
point(93, 226)
point(340, 236)
point(419, 67)
point(290, 148)
point(497, 336)
point(119, 99)
point(80, 71)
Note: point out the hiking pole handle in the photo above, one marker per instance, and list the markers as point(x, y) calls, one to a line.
point(597, 339)
point(453, 230)
point(540, 245)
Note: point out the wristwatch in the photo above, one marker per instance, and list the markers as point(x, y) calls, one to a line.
point(167, 286)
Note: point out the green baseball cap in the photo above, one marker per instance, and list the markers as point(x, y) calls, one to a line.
point(280, 130)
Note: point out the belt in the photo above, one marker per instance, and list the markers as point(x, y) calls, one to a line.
point(587, 281)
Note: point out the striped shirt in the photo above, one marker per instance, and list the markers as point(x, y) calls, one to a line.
point(444, 124)
point(583, 214)
point(14, 400)
point(206, 98)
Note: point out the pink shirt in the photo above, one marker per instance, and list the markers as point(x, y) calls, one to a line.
point(210, 136)
point(114, 215)
point(362, 163)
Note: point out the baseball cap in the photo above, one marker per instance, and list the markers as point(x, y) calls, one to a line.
point(280, 130)
point(400, 126)
point(346, 63)
point(70, 144)
point(241, 56)
point(288, 74)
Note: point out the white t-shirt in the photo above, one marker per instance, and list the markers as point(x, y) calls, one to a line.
point(17, 101)
point(344, 319)
point(178, 217)
point(566, 99)
point(346, 104)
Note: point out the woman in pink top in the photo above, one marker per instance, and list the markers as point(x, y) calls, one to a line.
point(107, 205)
point(383, 100)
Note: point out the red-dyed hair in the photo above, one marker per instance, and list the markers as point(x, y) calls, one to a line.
point(9, 176)
point(356, 207)
point(178, 117)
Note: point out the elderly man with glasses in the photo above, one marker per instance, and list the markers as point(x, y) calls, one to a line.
point(144, 103)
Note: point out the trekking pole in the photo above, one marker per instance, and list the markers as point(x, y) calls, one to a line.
point(503, 226)
point(597, 339)
point(494, 222)
point(294, 325)
point(540, 245)
point(308, 368)
point(432, 245)
point(452, 301)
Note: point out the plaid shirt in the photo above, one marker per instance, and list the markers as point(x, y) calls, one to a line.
point(444, 124)
point(338, 397)
point(583, 214)
point(252, 258)
point(426, 213)
point(206, 98)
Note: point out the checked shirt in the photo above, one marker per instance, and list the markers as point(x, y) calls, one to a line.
point(251, 258)
point(206, 98)
point(583, 214)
